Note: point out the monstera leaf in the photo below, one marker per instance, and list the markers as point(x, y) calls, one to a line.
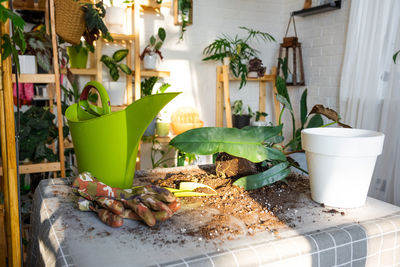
point(246, 143)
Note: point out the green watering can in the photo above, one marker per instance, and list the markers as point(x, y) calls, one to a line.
point(106, 143)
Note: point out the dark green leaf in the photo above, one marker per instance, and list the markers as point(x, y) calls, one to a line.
point(108, 61)
point(270, 176)
point(152, 40)
point(114, 74)
point(303, 108)
point(120, 55)
point(315, 121)
point(158, 46)
point(161, 34)
point(395, 56)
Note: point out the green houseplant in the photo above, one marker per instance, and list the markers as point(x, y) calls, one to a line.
point(78, 55)
point(148, 55)
point(184, 8)
point(239, 117)
point(9, 44)
point(237, 49)
point(116, 89)
point(147, 87)
point(38, 44)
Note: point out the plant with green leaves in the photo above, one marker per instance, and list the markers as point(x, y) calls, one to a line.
point(155, 44)
point(9, 45)
point(95, 27)
point(255, 144)
point(114, 65)
point(237, 108)
point(258, 114)
point(37, 131)
point(310, 119)
point(184, 8)
point(38, 43)
point(147, 86)
point(238, 49)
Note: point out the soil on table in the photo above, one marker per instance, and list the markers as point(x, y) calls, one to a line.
point(235, 211)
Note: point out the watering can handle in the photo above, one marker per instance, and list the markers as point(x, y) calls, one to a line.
point(105, 100)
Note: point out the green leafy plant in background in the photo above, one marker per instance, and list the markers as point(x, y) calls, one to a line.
point(95, 27)
point(155, 44)
point(310, 119)
point(114, 65)
point(237, 108)
point(238, 50)
point(147, 86)
point(184, 7)
point(37, 131)
point(185, 157)
point(255, 144)
point(9, 44)
point(39, 45)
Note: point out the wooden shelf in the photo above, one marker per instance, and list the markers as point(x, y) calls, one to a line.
point(317, 9)
point(88, 72)
point(35, 8)
point(123, 37)
point(157, 73)
point(152, 4)
point(39, 167)
point(35, 78)
point(267, 78)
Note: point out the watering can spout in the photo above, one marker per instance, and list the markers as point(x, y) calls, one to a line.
point(107, 144)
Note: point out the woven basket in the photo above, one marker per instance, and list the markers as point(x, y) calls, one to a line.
point(70, 21)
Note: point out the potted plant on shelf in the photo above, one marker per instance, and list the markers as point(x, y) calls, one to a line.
point(256, 68)
point(115, 18)
point(257, 116)
point(147, 86)
point(116, 90)
point(184, 8)
point(9, 44)
point(239, 118)
point(149, 54)
point(78, 55)
point(38, 45)
point(238, 50)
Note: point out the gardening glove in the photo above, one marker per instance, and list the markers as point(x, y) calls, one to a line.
point(148, 203)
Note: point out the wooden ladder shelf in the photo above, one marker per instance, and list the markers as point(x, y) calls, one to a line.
point(223, 95)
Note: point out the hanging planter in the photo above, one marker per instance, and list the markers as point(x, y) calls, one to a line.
point(70, 21)
point(340, 163)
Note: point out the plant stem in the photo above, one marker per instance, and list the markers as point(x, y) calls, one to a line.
point(293, 125)
point(329, 124)
point(280, 115)
point(292, 152)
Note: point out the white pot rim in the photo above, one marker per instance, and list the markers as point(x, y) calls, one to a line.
point(342, 141)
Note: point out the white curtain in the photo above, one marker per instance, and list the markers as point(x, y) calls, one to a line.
point(370, 86)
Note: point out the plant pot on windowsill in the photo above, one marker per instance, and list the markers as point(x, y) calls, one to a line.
point(240, 121)
point(341, 163)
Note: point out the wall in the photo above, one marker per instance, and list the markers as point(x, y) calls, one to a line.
point(322, 36)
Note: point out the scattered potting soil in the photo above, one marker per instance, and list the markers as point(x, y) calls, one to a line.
point(235, 211)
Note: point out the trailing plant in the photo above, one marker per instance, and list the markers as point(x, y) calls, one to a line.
point(155, 44)
point(184, 7)
point(39, 45)
point(112, 63)
point(95, 27)
point(255, 144)
point(147, 86)
point(238, 50)
point(37, 131)
point(9, 45)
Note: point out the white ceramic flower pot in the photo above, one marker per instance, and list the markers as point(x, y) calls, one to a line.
point(150, 61)
point(115, 19)
point(116, 92)
point(341, 163)
point(259, 123)
point(27, 64)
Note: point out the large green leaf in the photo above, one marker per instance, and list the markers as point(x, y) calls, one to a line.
point(125, 69)
point(120, 55)
point(315, 121)
point(245, 143)
point(161, 34)
point(270, 176)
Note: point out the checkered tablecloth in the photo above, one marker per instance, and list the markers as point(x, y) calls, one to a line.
point(64, 236)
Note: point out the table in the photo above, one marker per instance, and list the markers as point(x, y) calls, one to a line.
point(63, 236)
